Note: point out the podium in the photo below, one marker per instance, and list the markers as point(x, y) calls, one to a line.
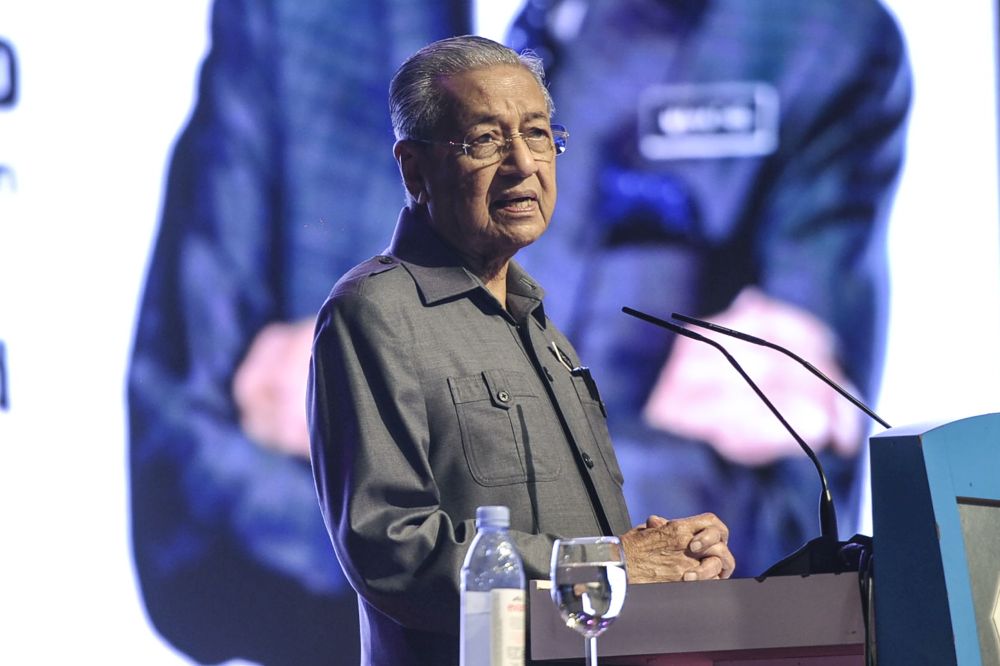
point(787, 620)
point(936, 522)
point(936, 510)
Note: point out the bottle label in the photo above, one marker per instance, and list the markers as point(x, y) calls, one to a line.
point(493, 628)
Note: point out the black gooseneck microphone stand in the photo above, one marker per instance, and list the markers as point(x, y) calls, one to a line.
point(826, 553)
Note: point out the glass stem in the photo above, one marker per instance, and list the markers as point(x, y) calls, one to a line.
point(591, 650)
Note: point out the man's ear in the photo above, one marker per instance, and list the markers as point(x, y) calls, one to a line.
point(411, 167)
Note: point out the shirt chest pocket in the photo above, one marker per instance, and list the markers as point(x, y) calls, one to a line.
point(505, 435)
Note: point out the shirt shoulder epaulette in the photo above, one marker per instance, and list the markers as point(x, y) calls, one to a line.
point(380, 263)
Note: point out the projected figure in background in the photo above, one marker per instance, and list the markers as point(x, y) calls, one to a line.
point(282, 180)
point(771, 136)
point(734, 160)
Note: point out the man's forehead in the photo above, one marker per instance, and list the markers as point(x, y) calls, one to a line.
point(493, 94)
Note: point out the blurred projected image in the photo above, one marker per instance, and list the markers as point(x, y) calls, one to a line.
point(730, 159)
point(281, 181)
point(735, 161)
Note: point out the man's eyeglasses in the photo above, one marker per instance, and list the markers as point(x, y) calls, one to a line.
point(544, 143)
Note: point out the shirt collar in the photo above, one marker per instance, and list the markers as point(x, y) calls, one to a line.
point(524, 295)
point(440, 274)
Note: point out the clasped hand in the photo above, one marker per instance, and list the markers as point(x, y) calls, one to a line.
point(687, 549)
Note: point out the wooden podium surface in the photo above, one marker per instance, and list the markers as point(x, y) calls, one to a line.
point(781, 621)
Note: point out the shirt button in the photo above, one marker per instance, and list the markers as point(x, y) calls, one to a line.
point(588, 461)
point(384, 260)
point(503, 396)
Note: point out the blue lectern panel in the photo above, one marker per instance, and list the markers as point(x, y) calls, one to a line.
point(936, 509)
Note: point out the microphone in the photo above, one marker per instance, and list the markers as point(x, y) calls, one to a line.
point(857, 554)
point(3, 378)
point(787, 352)
point(826, 553)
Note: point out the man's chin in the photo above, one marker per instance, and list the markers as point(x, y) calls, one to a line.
point(521, 232)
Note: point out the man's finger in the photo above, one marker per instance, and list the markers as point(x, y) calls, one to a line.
point(656, 521)
point(708, 568)
point(705, 539)
point(701, 521)
point(722, 552)
point(719, 530)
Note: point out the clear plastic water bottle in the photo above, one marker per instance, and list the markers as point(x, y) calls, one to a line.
point(493, 594)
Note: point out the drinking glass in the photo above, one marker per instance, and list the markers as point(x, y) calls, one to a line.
point(588, 585)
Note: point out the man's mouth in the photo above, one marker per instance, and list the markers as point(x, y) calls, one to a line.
point(515, 203)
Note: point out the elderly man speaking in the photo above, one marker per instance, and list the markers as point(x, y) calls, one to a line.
point(438, 384)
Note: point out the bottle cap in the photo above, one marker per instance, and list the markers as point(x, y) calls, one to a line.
point(492, 516)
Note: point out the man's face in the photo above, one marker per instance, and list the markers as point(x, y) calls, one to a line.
point(489, 209)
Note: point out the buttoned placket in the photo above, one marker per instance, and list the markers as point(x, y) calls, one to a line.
point(532, 339)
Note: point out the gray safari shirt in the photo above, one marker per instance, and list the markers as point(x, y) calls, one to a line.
point(428, 399)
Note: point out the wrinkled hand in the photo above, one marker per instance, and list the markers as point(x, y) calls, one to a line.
point(699, 395)
point(664, 550)
point(269, 387)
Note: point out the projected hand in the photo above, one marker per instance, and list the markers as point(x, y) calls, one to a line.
point(699, 395)
point(269, 387)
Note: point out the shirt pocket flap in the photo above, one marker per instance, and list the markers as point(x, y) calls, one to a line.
point(500, 387)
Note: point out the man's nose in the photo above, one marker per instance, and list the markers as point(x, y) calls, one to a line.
point(519, 158)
